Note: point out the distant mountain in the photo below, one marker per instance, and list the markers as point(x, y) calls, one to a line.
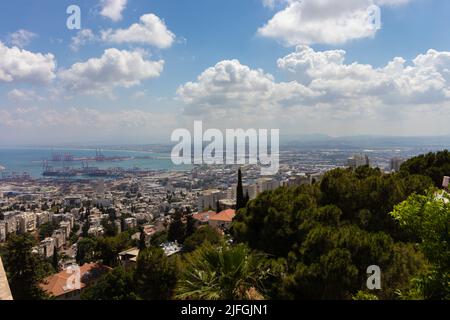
point(365, 141)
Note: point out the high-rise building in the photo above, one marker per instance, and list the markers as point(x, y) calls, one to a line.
point(358, 160)
point(395, 164)
point(208, 199)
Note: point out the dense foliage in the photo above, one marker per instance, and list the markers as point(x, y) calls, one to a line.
point(429, 218)
point(153, 278)
point(434, 165)
point(200, 236)
point(25, 269)
point(325, 236)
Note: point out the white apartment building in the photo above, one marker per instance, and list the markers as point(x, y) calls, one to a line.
point(43, 217)
point(65, 227)
point(395, 164)
point(266, 184)
point(59, 237)
point(208, 199)
point(47, 247)
point(2, 231)
point(358, 160)
point(27, 222)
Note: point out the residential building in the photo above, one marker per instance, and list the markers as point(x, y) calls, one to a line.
point(208, 199)
point(395, 163)
point(47, 247)
point(203, 217)
point(72, 201)
point(59, 237)
point(27, 222)
point(266, 184)
point(128, 257)
point(3, 231)
point(358, 160)
point(70, 283)
point(43, 217)
point(223, 219)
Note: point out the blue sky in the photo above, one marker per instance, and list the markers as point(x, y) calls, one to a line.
point(296, 92)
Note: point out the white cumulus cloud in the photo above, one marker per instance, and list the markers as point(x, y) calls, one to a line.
point(326, 94)
point(112, 9)
point(325, 21)
point(229, 86)
point(115, 68)
point(82, 37)
point(19, 65)
point(21, 38)
point(150, 30)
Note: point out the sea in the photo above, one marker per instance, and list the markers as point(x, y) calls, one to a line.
point(31, 160)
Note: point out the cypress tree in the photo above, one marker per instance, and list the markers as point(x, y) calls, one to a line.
point(142, 245)
point(240, 201)
point(55, 260)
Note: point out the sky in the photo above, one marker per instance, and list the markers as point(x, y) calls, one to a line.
point(136, 70)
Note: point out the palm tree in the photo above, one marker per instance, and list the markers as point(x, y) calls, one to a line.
point(221, 273)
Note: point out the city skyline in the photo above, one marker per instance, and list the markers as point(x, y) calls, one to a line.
point(137, 70)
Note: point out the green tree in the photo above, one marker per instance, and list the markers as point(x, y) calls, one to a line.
point(156, 275)
point(110, 228)
point(24, 268)
point(201, 235)
point(115, 285)
point(240, 201)
point(177, 228)
point(218, 273)
point(434, 165)
point(55, 260)
point(85, 229)
point(158, 238)
point(190, 225)
point(142, 243)
point(46, 230)
point(86, 250)
point(108, 249)
point(428, 217)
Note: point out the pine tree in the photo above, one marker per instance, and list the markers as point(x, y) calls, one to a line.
point(240, 201)
point(177, 229)
point(247, 198)
point(24, 268)
point(190, 225)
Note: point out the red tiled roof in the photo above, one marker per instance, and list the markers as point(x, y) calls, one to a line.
point(204, 216)
point(226, 215)
point(55, 285)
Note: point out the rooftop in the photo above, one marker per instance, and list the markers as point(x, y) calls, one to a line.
point(226, 215)
point(57, 284)
point(204, 216)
